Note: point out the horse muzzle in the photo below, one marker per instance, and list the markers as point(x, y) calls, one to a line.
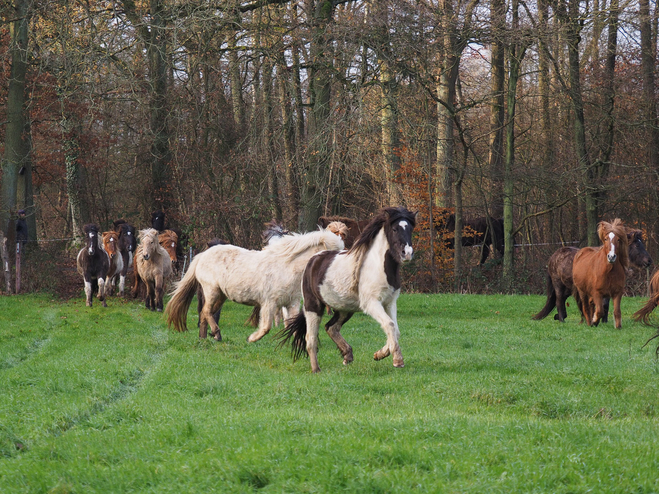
point(407, 254)
point(146, 257)
point(611, 258)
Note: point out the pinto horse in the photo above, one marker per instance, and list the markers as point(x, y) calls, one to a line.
point(599, 272)
point(366, 278)
point(152, 265)
point(269, 278)
point(559, 275)
point(93, 264)
point(111, 246)
point(127, 245)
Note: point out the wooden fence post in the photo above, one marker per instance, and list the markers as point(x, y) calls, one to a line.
point(18, 267)
point(4, 253)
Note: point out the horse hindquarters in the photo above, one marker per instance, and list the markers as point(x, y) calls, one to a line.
point(550, 303)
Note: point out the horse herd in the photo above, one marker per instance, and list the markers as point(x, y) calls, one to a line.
point(346, 266)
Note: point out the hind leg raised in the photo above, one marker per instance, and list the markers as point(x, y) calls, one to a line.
point(333, 328)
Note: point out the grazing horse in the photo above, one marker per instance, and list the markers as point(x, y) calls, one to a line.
point(484, 231)
point(353, 227)
point(559, 275)
point(153, 265)
point(269, 278)
point(111, 246)
point(365, 278)
point(643, 314)
point(127, 246)
point(599, 272)
point(93, 264)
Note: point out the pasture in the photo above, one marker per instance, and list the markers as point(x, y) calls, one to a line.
point(109, 400)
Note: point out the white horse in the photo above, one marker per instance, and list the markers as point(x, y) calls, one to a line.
point(153, 265)
point(365, 278)
point(269, 278)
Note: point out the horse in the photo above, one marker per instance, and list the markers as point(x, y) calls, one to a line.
point(93, 264)
point(111, 247)
point(484, 231)
point(600, 272)
point(158, 221)
point(127, 245)
point(643, 314)
point(559, 275)
point(354, 227)
point(365, 278)
point(153, 265)
point(168, 240)
point(269, 278)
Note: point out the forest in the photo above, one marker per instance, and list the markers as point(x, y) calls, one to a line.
point(227, 114)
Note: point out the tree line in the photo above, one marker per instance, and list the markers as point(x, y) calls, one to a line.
point(226, 114)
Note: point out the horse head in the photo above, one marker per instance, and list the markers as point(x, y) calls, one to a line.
point(91, 238)
point(169, 240)
point(158, 220)
point(339, 228)
point(398, 229)
point(615, 242)
point(638, 255)
point(127, 238)
point(149, 242)
point(111, 243)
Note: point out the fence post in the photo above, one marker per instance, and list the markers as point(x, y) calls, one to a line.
point(18, 267)
point(4, 253)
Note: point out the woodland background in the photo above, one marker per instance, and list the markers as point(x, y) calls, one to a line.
point(227, 114)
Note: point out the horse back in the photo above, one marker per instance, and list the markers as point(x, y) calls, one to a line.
point(312, 279)
point(559, 266)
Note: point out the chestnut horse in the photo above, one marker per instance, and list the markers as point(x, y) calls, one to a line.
point(559, 275)
point(153, 265)
point(366, 278)
point(93, 264)
point(111, 246)
point(643, 314)
point(599, 272)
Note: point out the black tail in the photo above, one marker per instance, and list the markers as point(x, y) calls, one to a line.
point(295, 328)
point(551, 301)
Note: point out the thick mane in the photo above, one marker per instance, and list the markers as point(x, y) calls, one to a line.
point(619, 230)
point(295, 244)
point(148, 232)
point(169, 236)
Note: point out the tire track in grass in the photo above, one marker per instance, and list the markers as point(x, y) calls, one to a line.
point(33, 347)
point(126, 387)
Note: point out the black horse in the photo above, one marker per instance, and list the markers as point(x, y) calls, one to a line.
point(559, 275)
point(127, 245)
point(482, 231)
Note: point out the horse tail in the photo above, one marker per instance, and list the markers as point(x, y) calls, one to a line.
point(551, 301)
point(643, 314)
point(186, 289)
point(296, 331)
point(253, 319)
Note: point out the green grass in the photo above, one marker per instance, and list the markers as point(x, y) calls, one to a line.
point(110, 400)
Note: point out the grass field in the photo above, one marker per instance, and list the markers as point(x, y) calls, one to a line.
point(110, 400)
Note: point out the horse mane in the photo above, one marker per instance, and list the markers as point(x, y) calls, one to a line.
point(296, 243)
point(148, 232)
point(619, 230)
point(169, 236)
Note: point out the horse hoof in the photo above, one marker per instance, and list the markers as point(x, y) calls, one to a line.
point(218, 337)
point(400, 365)
point(347, 362)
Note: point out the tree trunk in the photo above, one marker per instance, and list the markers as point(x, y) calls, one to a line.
point(16, 146)
point(497, 108)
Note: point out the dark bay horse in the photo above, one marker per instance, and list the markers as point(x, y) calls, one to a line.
point(365, 278)
point(600, 272)
point(559, 275)
point(482, 231)
point(127, 246)
point(93, 264)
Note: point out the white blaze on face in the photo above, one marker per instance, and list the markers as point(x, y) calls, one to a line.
point(91, 248)
point(407, 251)
point(611, 256)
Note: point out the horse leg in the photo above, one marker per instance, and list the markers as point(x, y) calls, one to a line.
point(159, 286)
point(122, 276)
point(216, 311)
point(101, 291)
point(313, 323)
point(333, 328)
point(617, 312)
point(268, 311)
point(597, 313)
point(605, 309)
point(149, 301)
point(390, 328)
point(88, 291)
point(561, 296)
point(485, 253)
point(213, 300)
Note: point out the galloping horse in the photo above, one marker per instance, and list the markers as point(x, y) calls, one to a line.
point(168, 241)
point(93, 264)
point(643, 314)
point(559, 275)
point(269, 278)
point(111, 246)
point(153, 265)
point(127, 246)
point(365, 278)
point(599, 272)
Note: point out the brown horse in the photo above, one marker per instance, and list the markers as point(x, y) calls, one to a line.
point(153, 265)
point(482, 231)
point(93, 264)
point(599, 272)
point(111, 246)
point(559, 275)
point(643, 314)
